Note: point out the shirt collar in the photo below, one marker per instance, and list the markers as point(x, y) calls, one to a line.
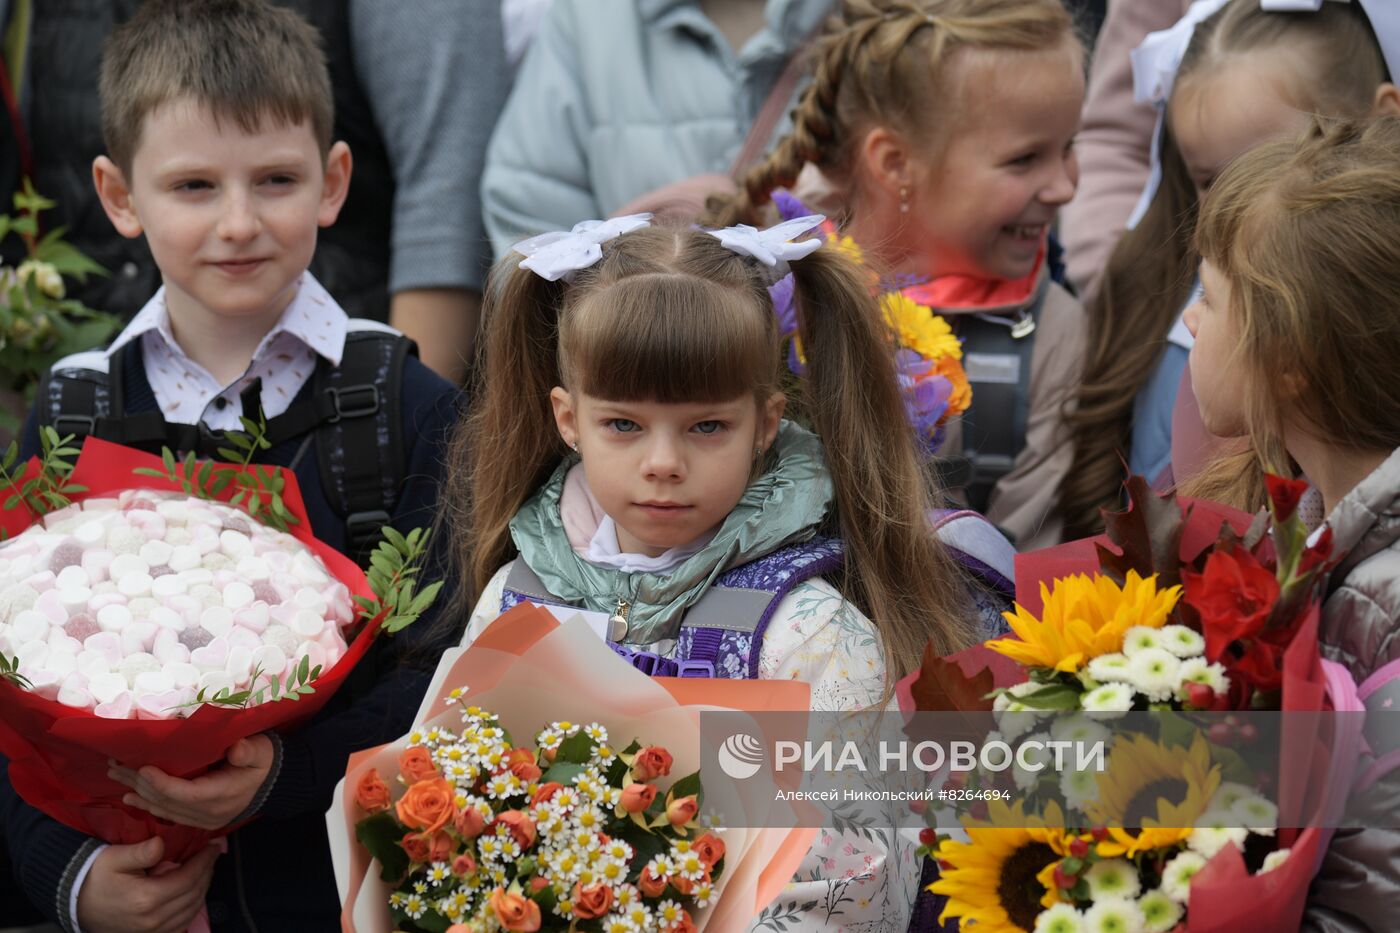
point(313, 317)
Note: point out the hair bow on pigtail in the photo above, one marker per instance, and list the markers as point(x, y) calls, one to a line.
point(774, 246)
point(558, 254)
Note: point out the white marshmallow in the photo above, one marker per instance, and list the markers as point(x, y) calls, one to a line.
point(119, 707)
point(216, 620)
point(113, 617)
point(90, 533)
point(307, 624)
point(156, 553)
point(106, 687)
point(254, 568)
point(127, 564)
point(134, 584)
point(171, 584)
point(237, 595)
point(71, 577)
point(150, 682)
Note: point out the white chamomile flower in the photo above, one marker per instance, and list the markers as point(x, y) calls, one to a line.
point(1274, 860)
point(503, 785)
point(415, 737)
point(668, 912)
point(420, 887)
point(549, 739)
point(613, 871)
point(614, 923)
point(625, 895)
point(1080, 788)
point(438, 872)
point(1140, 638)
point(564, 799)
point(1159, 912)
point(1182, 641)
point(588, 819)
point(661, 865)
point(1114, 915)
point(639, 914)
point(396, 899)
point(1081, 730)
point(1177, 875)
point(704, 893)
point(434, 736)
point(595, 732)
point(1109, 668)
point(619, 850)
point(415, 906)
point(1210, 840)
point(1113, 877)
point(1201, 671)
point(689, 865)
point(1153, 673)
point(1061, 918)
point(1108, 698)
point(1038, 757)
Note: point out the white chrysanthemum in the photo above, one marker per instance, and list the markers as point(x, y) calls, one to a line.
point(1061, 918)
point(604, 755)
point(1256, 814)
point(1109, 668)
point(625, 895)
point(668, 912)
point(438, 872)
point(1230, 793)
point(589, 819)
point(1080, 788)
point(1159, 912)
point(549, 739)
point(689, 865)
point(1274, 860)
point(1113, 877)
point(1081, 730)
point(1038, 758)
point(1177, 875)
point(503, 785)
point(596, 732)
point(1114, 915)
point(1141, 638)
point(1108, 698)
point(618, 924)
point(704, 894)
point(1210, 840)
point(1201, 671)
point(1153, 673)
point(415, 906)
point(565, 799)
point(1182, 641)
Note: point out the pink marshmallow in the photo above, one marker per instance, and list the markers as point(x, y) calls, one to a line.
point(119, 708)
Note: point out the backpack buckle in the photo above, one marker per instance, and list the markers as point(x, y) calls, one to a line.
point(695, 669)
point(354, 402)
point(88, 424)
point(361, 528)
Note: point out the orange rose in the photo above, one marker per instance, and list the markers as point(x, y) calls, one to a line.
point(521, 763)
point(416, 764)
point(521, 827)
point(440, 847)
point(637, 797)
point(372, 794)
point(592, 901)
point(546, 793)
point(427, 805)
point(684, 925)
point(710, 848)
point(463, 865)
point(515, 913)
point(651, 762)
point(469, 823)
point(459, 928)
point(682, 810)
point(538, 884)
point(961, 396)
point(649, 884)
point(416, 846)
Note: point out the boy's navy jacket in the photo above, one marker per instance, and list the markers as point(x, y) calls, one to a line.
point(277, 873)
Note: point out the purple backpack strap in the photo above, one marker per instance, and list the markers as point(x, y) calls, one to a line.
point(722, 634)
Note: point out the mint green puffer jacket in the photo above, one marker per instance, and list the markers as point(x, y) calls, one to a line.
point(616, 98)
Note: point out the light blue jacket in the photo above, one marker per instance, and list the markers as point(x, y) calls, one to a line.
point(618, 97)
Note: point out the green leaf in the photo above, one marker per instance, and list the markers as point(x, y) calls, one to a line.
point(232, 456)
point(396, 539)
point(563, 772)
point(577, 748)
point(380, 835)
point(1052, 696)
point(688, 785)
point(167, 457)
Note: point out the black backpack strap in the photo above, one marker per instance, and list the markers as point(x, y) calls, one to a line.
point(359, 443)
point(997, 356)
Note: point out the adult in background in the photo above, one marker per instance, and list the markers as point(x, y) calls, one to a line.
point(418, 85)
point(617, 98)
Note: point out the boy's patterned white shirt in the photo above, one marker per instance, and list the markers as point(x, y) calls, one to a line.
point(313, 325)
point(861, 879)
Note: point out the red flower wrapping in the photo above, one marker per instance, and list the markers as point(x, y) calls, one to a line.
point(1233, 596)
point(58, 754)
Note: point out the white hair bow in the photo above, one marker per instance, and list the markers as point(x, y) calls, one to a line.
point(1157, 60)
point(773, 247)
point(558, 254)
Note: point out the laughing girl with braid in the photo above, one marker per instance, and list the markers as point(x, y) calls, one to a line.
point(944, 132)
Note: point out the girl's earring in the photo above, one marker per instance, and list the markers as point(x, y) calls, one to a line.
point(573, 445)
point(904, 199)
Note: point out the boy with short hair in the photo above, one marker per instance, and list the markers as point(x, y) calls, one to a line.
point(218, 117)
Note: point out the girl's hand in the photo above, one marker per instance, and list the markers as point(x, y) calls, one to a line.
point(207, 802)
point(120, 895)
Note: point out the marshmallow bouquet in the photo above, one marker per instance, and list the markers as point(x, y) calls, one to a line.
point(137, 604)
point(131, 611)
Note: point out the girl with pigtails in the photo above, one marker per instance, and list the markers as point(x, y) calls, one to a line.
point(628, 454)
point(939, 133)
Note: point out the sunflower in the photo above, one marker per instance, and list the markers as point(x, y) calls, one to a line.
point(1083, 618)
point(1151, 795)
point(992, 880)
point(847, 245)
point(919, 329)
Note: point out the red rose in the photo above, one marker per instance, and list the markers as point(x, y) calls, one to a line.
point(1284, 494)
point(1234, 596)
